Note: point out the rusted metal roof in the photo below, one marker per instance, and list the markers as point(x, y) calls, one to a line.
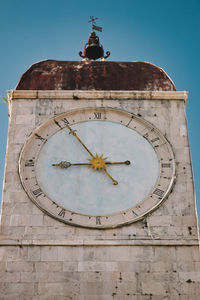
point(95, 75)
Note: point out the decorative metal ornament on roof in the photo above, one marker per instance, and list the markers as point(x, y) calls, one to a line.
point(93, 50)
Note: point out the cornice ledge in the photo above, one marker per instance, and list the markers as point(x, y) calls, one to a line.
point(99, 242)
point(94, 94)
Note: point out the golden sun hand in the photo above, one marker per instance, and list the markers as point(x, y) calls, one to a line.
point(98, 162)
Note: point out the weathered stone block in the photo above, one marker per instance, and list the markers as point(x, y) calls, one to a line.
point(50, 289)
point(34, 253)
point(19, 266)
point(49, 254)
point(28, 119)
point(154, 288)
point(97, 288)
point(97, 266)
point(70, 266)
point(49, 266)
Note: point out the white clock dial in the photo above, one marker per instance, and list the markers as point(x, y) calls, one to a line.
point(83, 194)
point(84, 190)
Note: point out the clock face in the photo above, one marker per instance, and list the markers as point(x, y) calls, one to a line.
point(97, 167)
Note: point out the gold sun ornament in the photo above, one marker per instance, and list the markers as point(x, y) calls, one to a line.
point(98, 162)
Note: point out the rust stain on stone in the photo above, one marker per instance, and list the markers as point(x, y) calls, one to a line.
point(95, 75)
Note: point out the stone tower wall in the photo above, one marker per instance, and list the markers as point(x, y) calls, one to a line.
point(42, 258)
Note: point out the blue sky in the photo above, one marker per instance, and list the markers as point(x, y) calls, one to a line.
point(165, 33)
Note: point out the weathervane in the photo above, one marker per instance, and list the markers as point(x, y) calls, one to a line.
point(94, 27)
point(93, 49)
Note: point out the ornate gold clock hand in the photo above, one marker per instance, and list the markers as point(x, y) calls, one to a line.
point(113, 180)
point(67, 164)
point(127, 162)
point(93, 157)
point(78, 139)
point(99, 163)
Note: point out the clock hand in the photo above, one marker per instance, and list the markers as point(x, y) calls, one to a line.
point(127, 162)
point(67, 164)
point(76, 136)
point(93, 157)
point(113, 181)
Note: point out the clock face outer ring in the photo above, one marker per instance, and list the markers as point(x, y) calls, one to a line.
point(39, 137)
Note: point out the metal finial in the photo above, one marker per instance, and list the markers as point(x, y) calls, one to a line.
point(93, 49)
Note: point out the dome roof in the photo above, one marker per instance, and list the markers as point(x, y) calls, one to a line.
point(95, 75)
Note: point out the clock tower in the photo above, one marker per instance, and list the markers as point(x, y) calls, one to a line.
point(98, 198)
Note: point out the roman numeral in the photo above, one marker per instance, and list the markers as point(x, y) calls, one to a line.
point(66, 122)
point(97, 115)
point(158, 192)
point(29, 163)
point(98, 220)
point(37, 192)
point(166, 165)
point(146, 135)
point(39, 137)
point(132, 117)
point(56, 122)
point(156, 139)
point(134, 213)
point(62, 213)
